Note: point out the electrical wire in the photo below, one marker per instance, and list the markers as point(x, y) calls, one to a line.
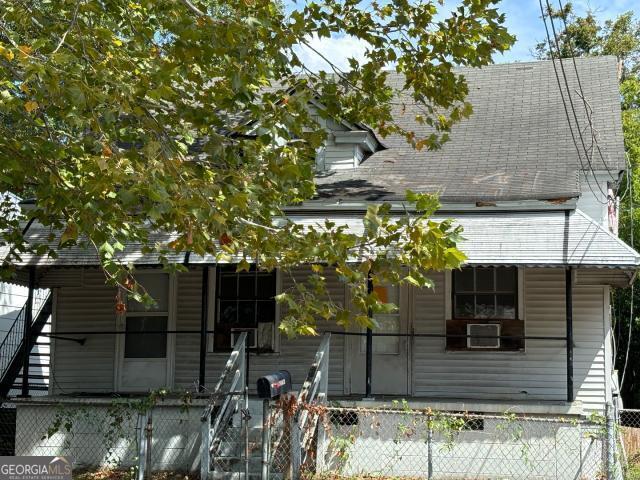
point(564, 102)
point(594, 142)
point(631, 238)
point(570, 98)
point(594, 138)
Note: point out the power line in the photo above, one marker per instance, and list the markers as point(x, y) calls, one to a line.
point(573, 110)
point(582, 95)
point(631, 237)
point(564, 103)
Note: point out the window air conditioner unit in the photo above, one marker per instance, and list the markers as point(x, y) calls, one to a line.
point(252, 336)
point(490, 333)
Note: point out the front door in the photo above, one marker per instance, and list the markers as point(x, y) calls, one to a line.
point(144, 350)
point(390, 359)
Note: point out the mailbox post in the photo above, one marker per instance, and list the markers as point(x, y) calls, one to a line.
point(270, 387)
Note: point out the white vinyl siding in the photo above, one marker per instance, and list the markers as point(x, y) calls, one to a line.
point(593, 199)
point(87, 307)
point(339, 157)
point(589, 351)
point(540, 371)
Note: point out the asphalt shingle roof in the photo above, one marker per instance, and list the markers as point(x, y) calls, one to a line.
point(516, 145)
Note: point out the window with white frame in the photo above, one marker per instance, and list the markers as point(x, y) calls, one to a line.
point(483, 296)
point(145, 329)
point(245, 302)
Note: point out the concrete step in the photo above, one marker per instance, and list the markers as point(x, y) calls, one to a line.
point(253, 475)
point(255, 433)
point(237, 448)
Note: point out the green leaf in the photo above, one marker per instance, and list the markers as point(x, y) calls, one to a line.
point(70, 234)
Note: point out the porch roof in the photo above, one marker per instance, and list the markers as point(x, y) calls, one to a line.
point(542, 238)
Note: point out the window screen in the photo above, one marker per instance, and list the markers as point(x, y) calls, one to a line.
point(139, 344)
point(141, 320)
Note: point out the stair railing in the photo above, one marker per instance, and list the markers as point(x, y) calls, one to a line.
point(224, 404)
point(314, 392)
point(12, 343)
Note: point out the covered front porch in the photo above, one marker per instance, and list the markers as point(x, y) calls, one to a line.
point(409, 359)
point(526, 322)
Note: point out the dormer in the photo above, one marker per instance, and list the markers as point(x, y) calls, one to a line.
point(347, 144)
point(346, 149)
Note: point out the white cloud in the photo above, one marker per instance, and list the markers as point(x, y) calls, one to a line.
point(337, 48)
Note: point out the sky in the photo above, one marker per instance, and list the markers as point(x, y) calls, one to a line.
point(522, 20)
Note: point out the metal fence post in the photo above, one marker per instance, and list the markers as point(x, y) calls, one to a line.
point(429, 448)
point(321, 446)
point(149, 440)
point(205, 457)
point(295, 447)
point(266, 438)
point(143, 444)
point(246, 416)
point(610, 442)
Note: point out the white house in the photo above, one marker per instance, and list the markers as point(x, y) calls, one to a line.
point(526, 323)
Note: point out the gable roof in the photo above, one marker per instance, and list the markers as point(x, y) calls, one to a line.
point(516, 145)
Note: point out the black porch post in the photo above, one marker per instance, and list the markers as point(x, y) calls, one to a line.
point(569, 308)
point(26, 334)
point(369, 347)
point(203, 327)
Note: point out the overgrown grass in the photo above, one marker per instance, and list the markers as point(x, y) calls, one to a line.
point(632, 472)
point(108, 474)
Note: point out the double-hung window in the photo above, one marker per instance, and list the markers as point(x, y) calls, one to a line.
point(245, 302)
point(485, 310)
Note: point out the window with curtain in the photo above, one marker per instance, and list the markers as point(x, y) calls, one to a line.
point(245, 301)
point(485, 295)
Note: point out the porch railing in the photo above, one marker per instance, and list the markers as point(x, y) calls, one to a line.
point(225, 405)
point(12, 346)
point(304, 424)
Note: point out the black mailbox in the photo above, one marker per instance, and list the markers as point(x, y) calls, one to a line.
point(274, 385)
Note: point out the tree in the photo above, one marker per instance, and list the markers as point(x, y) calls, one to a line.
point(123, 118)
point(620, 37)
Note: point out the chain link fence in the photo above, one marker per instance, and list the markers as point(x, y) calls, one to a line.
point(104, 437)
point(336, 441)
point(629, 439)
point(400, 442)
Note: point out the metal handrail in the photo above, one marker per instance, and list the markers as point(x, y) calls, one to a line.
point(213, 429)
point(316, 383)
point(314, 391)
point(12, 343)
